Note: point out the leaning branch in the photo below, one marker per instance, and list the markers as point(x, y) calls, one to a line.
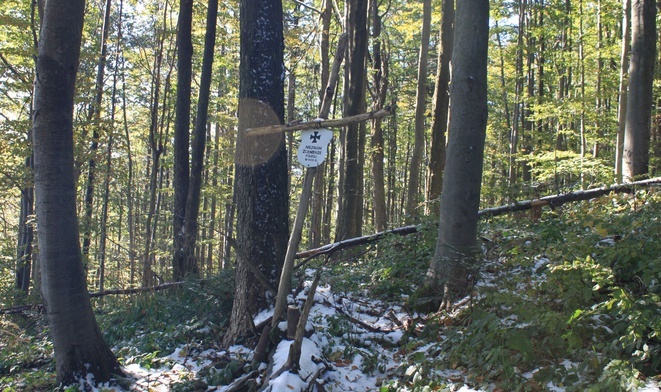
point(96, 294)
point(558, 200)
point(160, 287)
point(551, 201)
point(319, 123)
point(351, 242)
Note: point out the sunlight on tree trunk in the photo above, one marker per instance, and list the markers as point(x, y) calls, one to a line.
point(262, 205)
point(413, 193)
point(441, 107)
point(639, 100)
point(77, 340)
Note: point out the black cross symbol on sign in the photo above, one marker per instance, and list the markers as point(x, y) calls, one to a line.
point(315, 137)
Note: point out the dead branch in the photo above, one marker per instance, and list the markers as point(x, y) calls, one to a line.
point(558, 200)
point(319, 123)
point(348, 243)
point(160, 287)
point(96, 294)
point(293, 361)
point(551, 201)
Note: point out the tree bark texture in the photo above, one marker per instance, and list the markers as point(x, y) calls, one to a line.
point(455, 247)
point(441, 106)
point(639, 100)
point(350, 216)
point(95, 117)
point(413, 194)
point(380, 71)
point(182, 135)
point(623, 91)
point(77, 340)
point(262, 205)
point(199, 143)
point(25, 232)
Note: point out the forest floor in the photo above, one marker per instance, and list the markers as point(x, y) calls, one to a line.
point(568, 302)
point(353, 343)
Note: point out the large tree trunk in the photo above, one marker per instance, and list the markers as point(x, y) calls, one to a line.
point(350, 216)
point(413, 194)
point(182, 135)
point(639, 101)
point(77, 340)
point(455, 253)
point(261, 162)
point(199, 140)
point(441, 102)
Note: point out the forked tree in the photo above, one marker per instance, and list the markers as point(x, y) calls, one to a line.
point(77, 341)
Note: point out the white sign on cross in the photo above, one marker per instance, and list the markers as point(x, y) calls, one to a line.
point(314, 146)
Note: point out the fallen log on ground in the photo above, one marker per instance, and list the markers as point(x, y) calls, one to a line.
point(96, 294)
point(551, 201)
point(558, 200)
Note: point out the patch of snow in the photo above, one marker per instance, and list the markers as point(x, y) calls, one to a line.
point(606, 242)
point(540, 263)
point(650, 386)
point(554, 388)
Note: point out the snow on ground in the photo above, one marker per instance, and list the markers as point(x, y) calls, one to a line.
point(360, 355)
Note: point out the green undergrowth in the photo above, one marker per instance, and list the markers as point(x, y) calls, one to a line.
point(140, 328)
point(389, 269)
point(572, 300)
point(145, 328)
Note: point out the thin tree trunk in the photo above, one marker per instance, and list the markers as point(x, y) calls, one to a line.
point(350, 215)
point(25, 231)
point(214, 198)
point(198, 146)
point(317, 213)
point(441, 103)
point(377, 141)
point(156, 149)
point(131, 223)
point(413, 194)
point(181, 172)
point(623, 90)
point(24, 259)
point(95, 116)
point(518, 92)
point(581, 60)
point(596, 148)
point(392, 166)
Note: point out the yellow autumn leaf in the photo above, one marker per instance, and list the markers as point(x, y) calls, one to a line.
point(601, 230)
